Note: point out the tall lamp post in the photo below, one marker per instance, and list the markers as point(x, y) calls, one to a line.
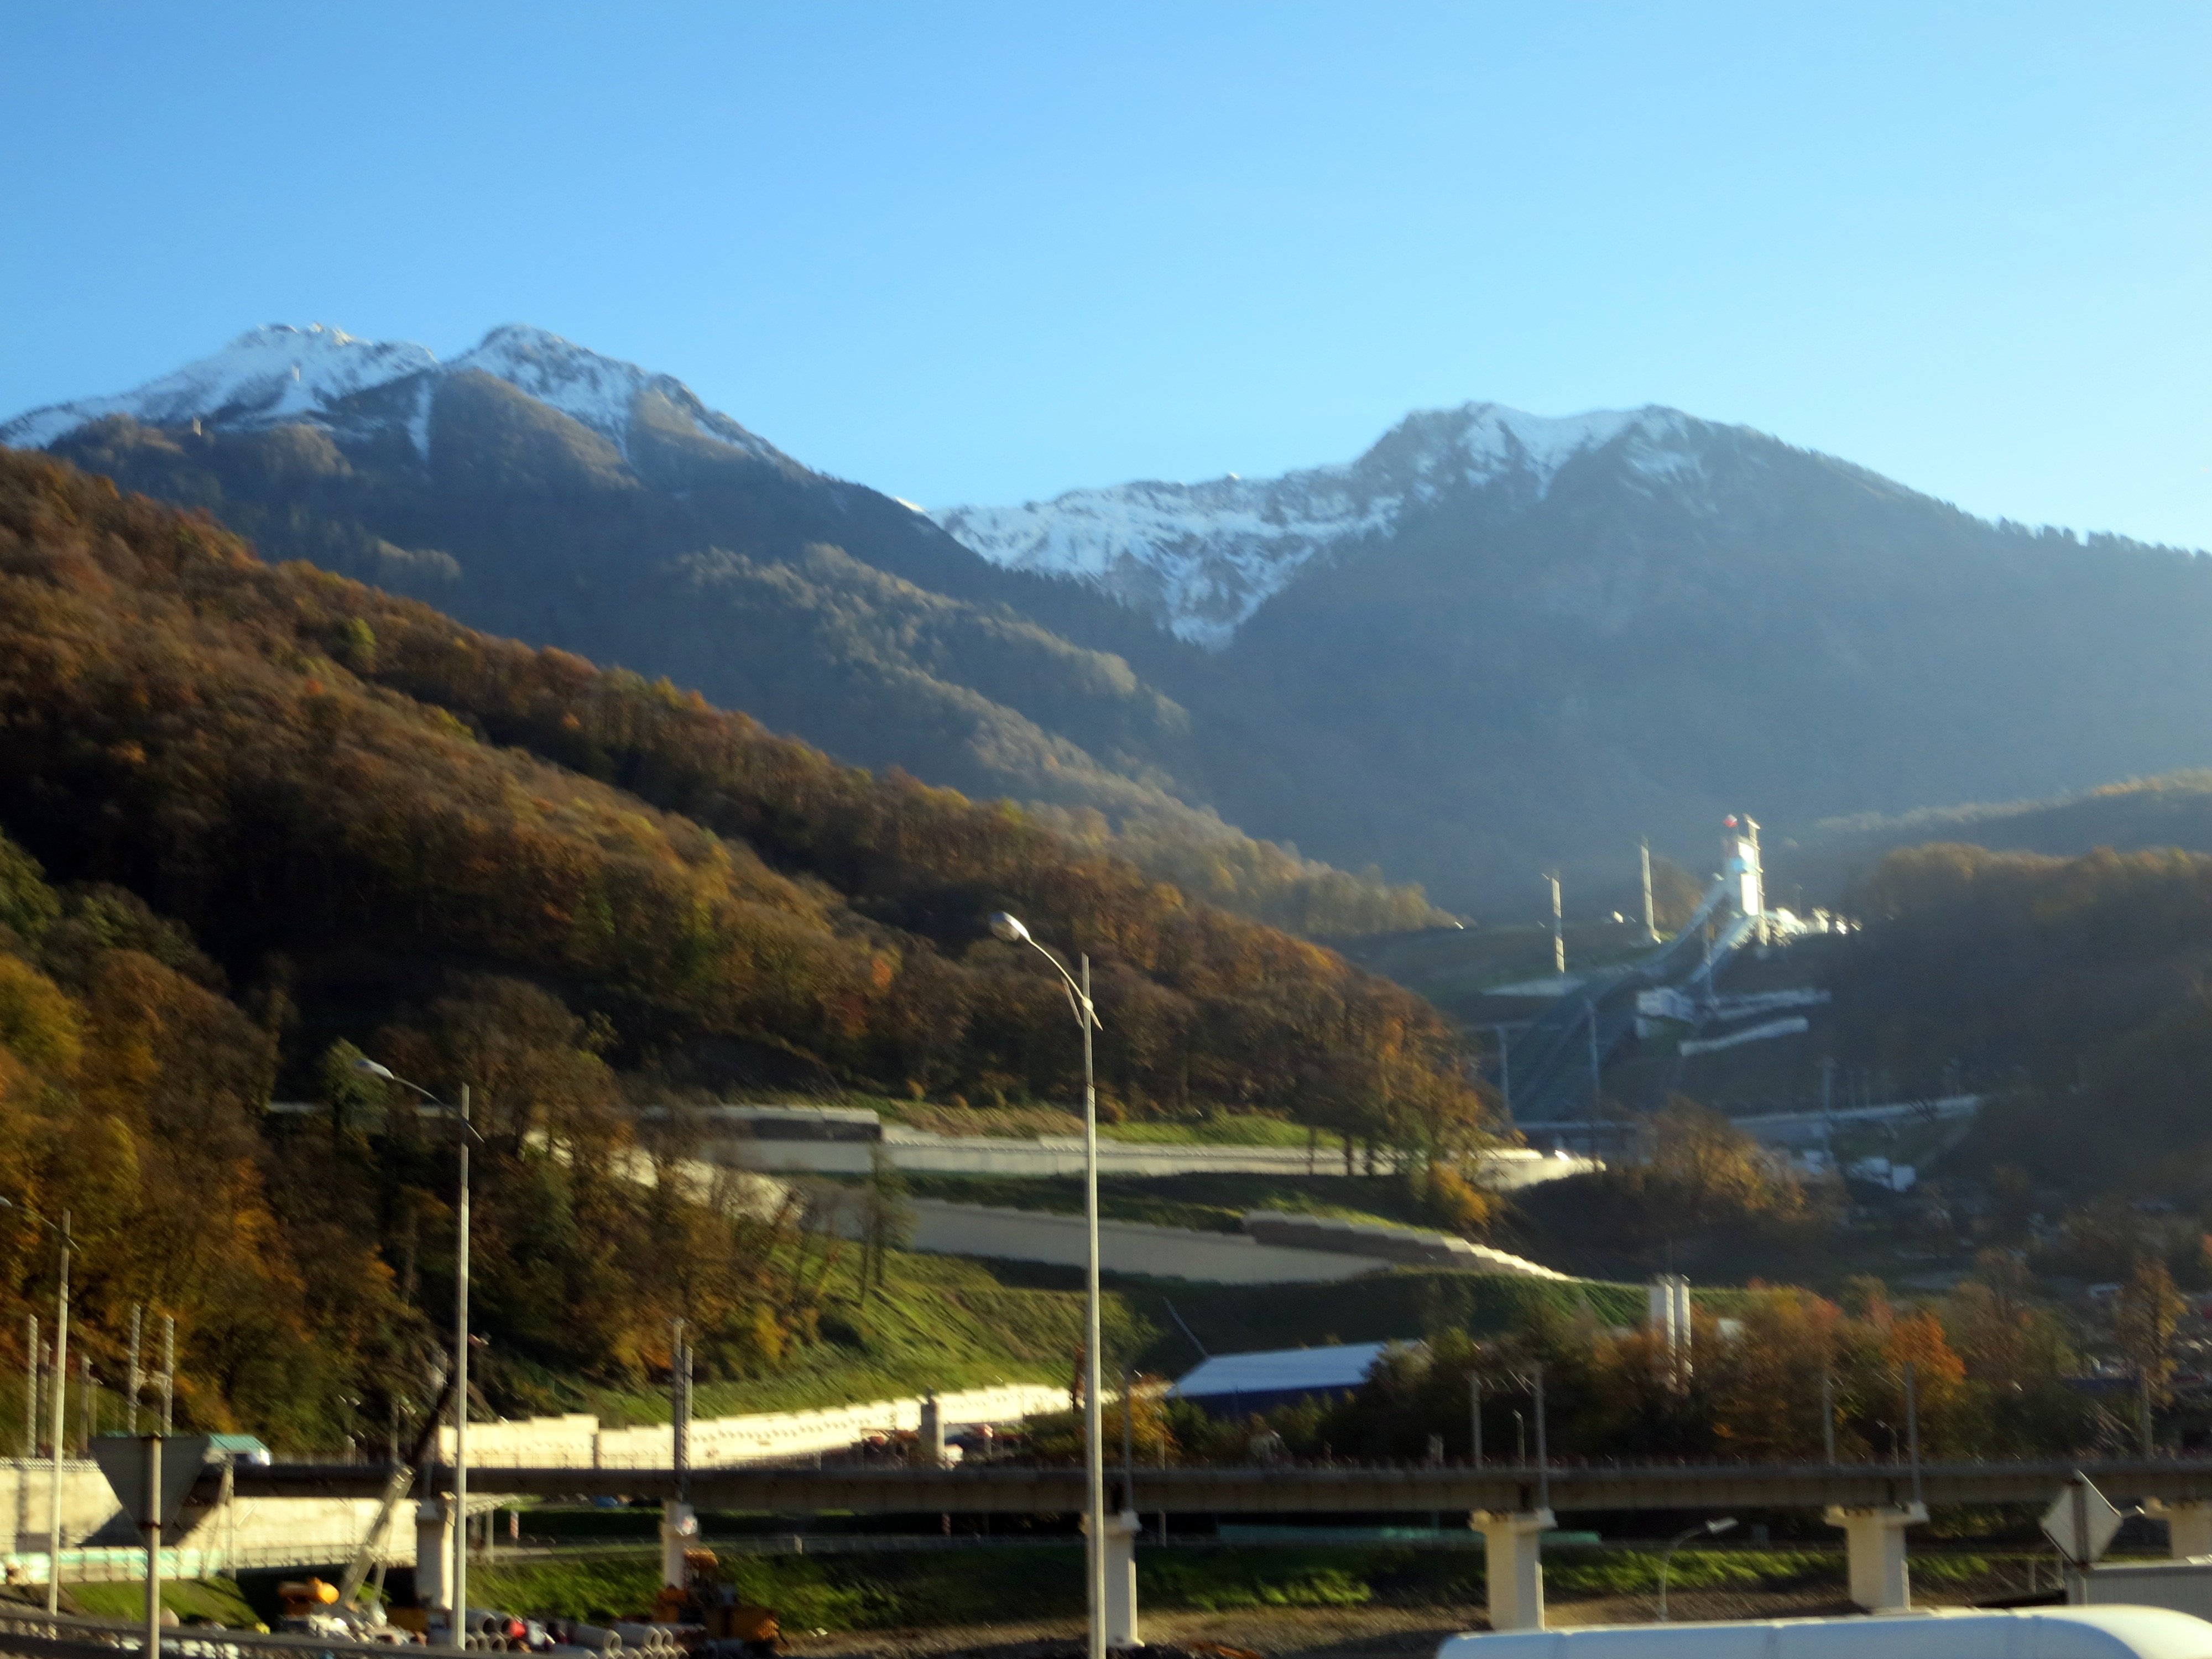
point(61, 1406)
point(1010, 929)
point(368, 1068)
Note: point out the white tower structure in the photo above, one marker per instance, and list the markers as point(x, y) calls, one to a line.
point(1666, 1312)
point(1742, 846)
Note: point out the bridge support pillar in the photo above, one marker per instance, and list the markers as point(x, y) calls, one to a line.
point(1121, 1554)
point(2188, 1528)
point(1880, 1580)
point(1513, 1565)
point(932, 1438)
point(434, 1552)
point(679, 1531)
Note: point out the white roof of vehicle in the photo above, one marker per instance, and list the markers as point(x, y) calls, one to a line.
point(1343, 1365)
point(2012, 1633)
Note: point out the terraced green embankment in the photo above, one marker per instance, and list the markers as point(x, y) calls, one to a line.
point(1011, 1585)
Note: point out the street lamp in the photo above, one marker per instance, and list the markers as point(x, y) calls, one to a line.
point(1705, 1529)
point(61, 1406)
point(368, 1068)
point(1010, 929)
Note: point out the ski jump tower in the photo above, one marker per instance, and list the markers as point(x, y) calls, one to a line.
point(1557, 1061)
point(1740, 846)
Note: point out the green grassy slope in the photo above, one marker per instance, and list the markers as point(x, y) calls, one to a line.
point(1211, 1203)
point(1006, 1584)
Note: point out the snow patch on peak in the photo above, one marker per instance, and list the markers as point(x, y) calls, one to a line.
point(265, 377)
point(1201, 558)
point(280, 375)
point(600, 392)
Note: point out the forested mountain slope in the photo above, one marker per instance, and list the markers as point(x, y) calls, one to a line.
point(278, 813)
point(2173, 809)
point(537, 490)
point(291, 763)
point(2071, 990)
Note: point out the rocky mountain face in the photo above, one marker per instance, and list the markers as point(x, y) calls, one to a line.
point(1505, 643)
point(1201, 559)
point(1493, 643)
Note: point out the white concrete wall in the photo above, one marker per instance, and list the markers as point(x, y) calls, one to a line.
point(1003, 1155)
point(1408, 1245)
point(578, 1442)
point(26, 1499)
point(1506, 1169)
point(97, 1538)
point(1124, 1247)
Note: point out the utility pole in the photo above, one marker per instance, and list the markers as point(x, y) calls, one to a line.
point(168, 1373)
point(30, 1387)
point(459, 1557)
point(1650, 920)
point(1559, 931)
point(134, 1379)
point(1505, 1072)
point(680, 1409)
point(459, 1628)
point(1474, 1414)
point(1596, 1070)
point(1543, 1452)
point(1093, 1424)
point(60, 1389)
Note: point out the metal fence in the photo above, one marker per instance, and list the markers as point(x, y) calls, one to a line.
point(37, 1635)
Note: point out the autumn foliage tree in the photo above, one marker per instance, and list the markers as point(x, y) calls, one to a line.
point(285, 819)
point(295, 764)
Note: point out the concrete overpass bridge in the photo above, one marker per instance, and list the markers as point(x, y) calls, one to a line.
point(1512, 1505)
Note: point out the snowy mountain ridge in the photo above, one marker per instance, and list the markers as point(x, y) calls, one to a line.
point(1201, 558)
point(282, 375)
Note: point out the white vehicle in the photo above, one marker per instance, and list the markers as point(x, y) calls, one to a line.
point(2017, 1633)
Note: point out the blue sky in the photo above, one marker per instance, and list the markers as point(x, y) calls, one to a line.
point(979, 253)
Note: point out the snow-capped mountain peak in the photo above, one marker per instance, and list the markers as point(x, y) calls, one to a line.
point(282, 375)
point(1201, 558)
point(265, 377)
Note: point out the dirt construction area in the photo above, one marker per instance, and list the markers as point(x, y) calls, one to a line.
point(1372, 1632)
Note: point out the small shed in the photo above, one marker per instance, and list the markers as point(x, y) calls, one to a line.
point(1239, 1384)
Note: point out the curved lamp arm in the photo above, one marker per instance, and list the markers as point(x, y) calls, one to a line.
point(1011, 929)
point(368, 1068)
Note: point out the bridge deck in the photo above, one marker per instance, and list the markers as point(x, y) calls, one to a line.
point(1010, 1488)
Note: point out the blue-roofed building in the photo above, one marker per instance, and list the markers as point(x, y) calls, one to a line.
point(1239, 1384)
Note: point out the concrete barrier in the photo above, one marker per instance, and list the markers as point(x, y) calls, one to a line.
point(578, 1442)
point(1408, 1245)
point(99, 1541)
point(1124, 1247)
point(1274, 1249)
point(919, 1151)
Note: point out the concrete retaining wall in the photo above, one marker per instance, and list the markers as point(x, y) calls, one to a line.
point(918, 1150)
point(1124, 1247)
point(99, 1541)
point(27, 1495)
point(579, 1442)
point(1402, 1244)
